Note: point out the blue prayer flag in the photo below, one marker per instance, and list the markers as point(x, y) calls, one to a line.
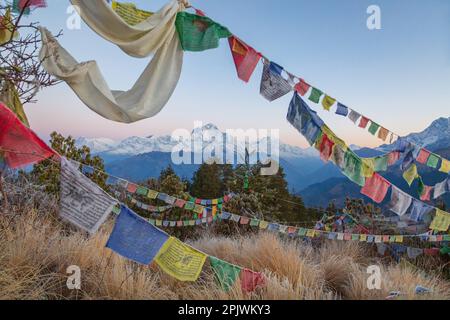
point(276, 68)
point(136, 239)
point(341, 110)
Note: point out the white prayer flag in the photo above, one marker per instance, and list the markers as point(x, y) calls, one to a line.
point(82, 202)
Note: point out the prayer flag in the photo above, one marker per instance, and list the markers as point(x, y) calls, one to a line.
point(199, 33)
point(315, 95)
point(433, 161)
point(400, 201)
point(130, 13)
point(445, 166)
point(383, 133)
point(135, 239)
point(341, 110)
point(393, 157)
point(413, 253)
point(273, 85)
point(325, 147)
point(381, 163)
point(354, 116)
point(328, 102)
point(423, 156)
point(21, 146)
point(245, 58)
point(302, 87)
point(152, 194)
point(353, 168)
point(82, 201)
point(411, 174)
point(419, 210)
point(425, 195)
point(376, 188)
point(441, 221)
point(263, 225)
point(226, 273)
point(440, 188)
point(180, 260)
point(250, 280)
point(364, 122)
point(373, 129)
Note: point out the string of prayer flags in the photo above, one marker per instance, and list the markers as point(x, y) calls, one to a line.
point(273, 85)
point(226, 274)
point(245, 58)
point(198, 33)
point(14, 135)
point(135, 239)
point(82, 201)
point(376, 188)
point(130, 13)
point(441, 221)
point(180, 260)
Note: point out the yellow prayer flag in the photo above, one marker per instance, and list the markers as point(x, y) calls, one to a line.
point(180, 261)
point(152, 194)
point(441, 221)
point(6, 27)
point(366, 170)
point(159, 223)
point(215, 202)
point(129, 13)
point(328, 102)
point(263, 224)
point(363, 238)
point(445, 166)
point(411, 174)
point(311, 233)
point(399, 239)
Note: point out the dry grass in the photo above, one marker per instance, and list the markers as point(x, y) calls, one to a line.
point(35, 251)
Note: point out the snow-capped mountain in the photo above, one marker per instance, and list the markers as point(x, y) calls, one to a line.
point(434, 137)
point(207, 137)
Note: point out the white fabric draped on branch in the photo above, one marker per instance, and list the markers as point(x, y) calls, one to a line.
point(157, 35)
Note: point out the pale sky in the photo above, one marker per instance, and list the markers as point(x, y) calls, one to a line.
point(399, 75)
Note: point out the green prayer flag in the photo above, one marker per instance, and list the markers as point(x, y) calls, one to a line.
point(143, 191)
point(199, 33)
point(254, 223)
point(226, 274)
point(421, 187)
point(433, 161)
point(374, 128)
point(353, 168)
point(315, 95)
point(381, 163)
point(302, 232)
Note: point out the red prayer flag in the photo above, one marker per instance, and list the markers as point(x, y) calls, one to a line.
point(132, 188)
point(376, 188)
point(431, 252)
point(393, 157)
point(426, 195)
point(423, 156)
point(250, 280)
point(21, 146)
point(32, 3)
point(364, 122)
point(326, 148)
point(302, 87)
point(245, 58)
